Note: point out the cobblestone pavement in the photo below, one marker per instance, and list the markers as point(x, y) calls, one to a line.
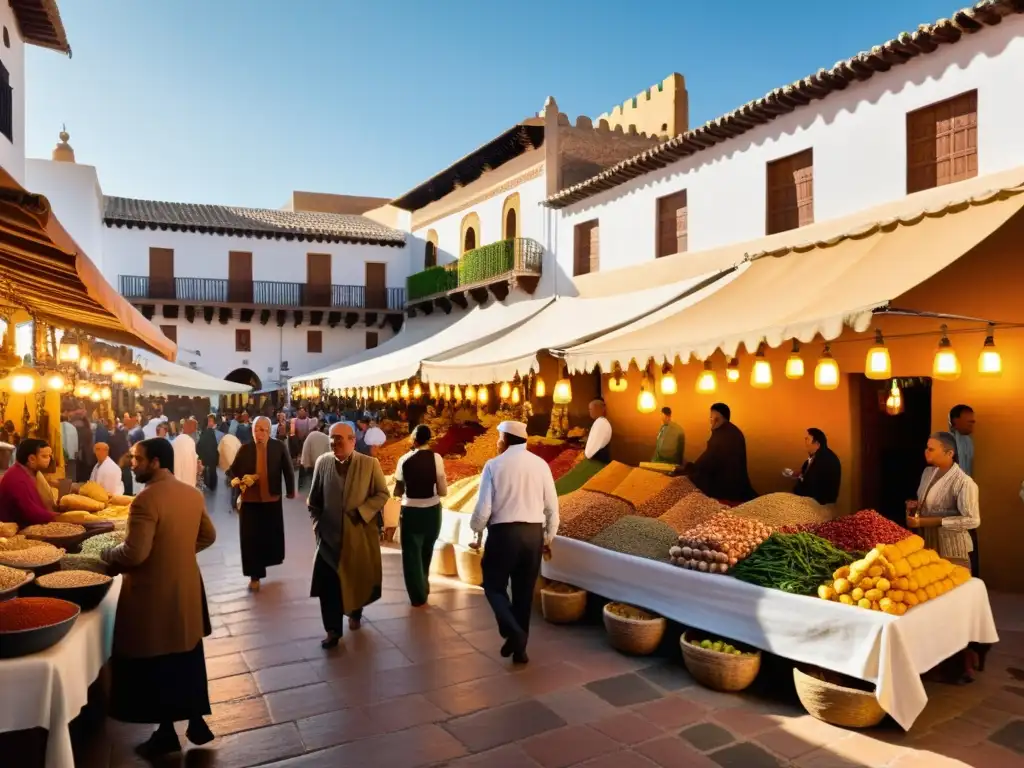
point(428, 687)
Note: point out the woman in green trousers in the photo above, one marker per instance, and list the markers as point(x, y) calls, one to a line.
point(420, 481)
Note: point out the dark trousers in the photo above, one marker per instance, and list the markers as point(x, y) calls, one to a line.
point(210, 476)
point(975, 564)
point(328, 591)
point(513, 554)
point(420, 529)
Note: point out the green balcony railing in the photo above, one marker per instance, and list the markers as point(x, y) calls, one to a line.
point(519, 255)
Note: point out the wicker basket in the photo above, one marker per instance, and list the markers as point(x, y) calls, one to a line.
point(720, 671)
point(837, 704)
point(443, 562)
point(562, 607)
point(467, 563)
point(637, 637)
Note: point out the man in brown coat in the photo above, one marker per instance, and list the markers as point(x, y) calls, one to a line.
point(158, 665)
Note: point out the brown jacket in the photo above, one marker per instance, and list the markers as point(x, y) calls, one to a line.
point(160, 609)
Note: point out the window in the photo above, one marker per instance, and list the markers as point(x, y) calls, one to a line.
point(314, 342)
point(586, 250)
point(470, 232)
point(243, 340)
point(430, 251)
point(672, 224)
point(170, 331)
point(790, 198)
point(510, 217)
point(371, 339)
point(6, 102)
point(942, 143)
point(470, 242)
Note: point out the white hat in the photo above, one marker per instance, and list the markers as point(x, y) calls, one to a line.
point(516, 428)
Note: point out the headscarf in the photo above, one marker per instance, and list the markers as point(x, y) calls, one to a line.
point(263, 474)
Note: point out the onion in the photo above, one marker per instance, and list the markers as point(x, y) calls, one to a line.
point(672, 560)
point(732, 561)
point(686, 551)
point(675, 551)
point(702, 566)
point(721, 557)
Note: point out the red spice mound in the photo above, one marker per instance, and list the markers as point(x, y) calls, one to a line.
point(861, 531)
point(458, 469)
point(564, 461)
point(453, 442)
point(33, 612)
point(546, 451)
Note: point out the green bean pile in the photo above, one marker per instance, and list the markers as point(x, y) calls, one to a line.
point(792, 562)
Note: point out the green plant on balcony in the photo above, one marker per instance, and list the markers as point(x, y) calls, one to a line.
point(476, 266)
point(431, 281)
point(487, 262)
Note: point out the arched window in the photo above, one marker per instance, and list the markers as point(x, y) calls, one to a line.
point(471, 234)
point(430, 250)
point(510, 217)
point(470, 242)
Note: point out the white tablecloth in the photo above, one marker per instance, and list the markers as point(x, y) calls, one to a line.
point(889, 651)
point(49, 689)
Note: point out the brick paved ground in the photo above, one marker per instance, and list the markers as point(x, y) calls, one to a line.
point(427, 687)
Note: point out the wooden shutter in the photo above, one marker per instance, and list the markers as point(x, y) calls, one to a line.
point(942, 143)
point(314, 342)
point(673, 224)
point(790, 192)
point(376, 285)
point(243, 340)
point(170, 331)
point(371, 339)
point(586, 248)
point(161, 273)
point(318, 280)
point(240, 276)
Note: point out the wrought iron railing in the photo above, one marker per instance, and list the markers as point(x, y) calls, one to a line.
point(260, 292)
point(520, 255)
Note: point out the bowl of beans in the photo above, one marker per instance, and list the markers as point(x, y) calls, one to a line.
point(86, 589)
point(64, 535)
point(11, 580)
point(33, 624)
point(39, 558)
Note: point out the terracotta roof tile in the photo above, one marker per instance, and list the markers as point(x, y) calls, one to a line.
point(40, 24)
point(908, 45)
point(248, 222)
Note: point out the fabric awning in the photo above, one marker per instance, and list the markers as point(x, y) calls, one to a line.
point(166, 378)
point(818, 289)
point(43, 271)
point(478, 326)
point(564, 322)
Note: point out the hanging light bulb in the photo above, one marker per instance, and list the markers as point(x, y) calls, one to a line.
point(404, 391)
point(433, 391)
point(506, 390)
point(105, 393)
point(618, 382)
point(54, 381)
point(515, 396)
point(83, 389)
point(645, 400)
point(107, 366)
point(471, 393)
point(85, 362)
point(95, 396)
point(417, 390)
point(990, 363)
point(392, 392)
point(482, 395)
point(120, 376)
point(540, 389)
point(894, 403)
point(707, 382)
point(946, 366)
point(134, 380)
point(24, 380)
point(795, 363)
point(826, 372)
point(457, 394)
point(878, 364)
point(563, 389)
point(69, 351)
point(446, 392)
point(761, 373)
point(669, 386)
point(732, 371)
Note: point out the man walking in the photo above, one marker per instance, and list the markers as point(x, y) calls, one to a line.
point(345, 498)
point(518, 505)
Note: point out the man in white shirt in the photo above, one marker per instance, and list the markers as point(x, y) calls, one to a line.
point(600, 437)
point(150, 430)
point(106, 472)
point(518, 505)
point(69, 440)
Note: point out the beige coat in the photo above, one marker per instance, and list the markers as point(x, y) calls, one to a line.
point(160, 609)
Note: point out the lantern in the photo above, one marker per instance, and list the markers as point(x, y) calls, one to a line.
point(515, 395)
point(563, 392)
point(446, 392)
point(96, 396)
point(482, 395)
point(668, 380)
point(506, 390)
point(83, 389)
point(826, 372)
point(645, 401)
point(989, 361)
point(69, 351)
point(618, 382)
point(134, 380)
point(392, 392)
point(894, 403)
point(85, 363)
point(707, 382)
point(105, 393)
point(107, 366)
point(433, 390)
point(119, 376)
point(404, 391)
point(457, 394)
point(417, 391)
point(24, 380)
point(732, 371)
point(795, 363)
point(471, 393)
point(878, 364)
point(946, 366)
point(54, 381)
point(761, 373)
point(540, 389)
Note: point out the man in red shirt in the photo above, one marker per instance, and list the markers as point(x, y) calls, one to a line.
point(20, 501)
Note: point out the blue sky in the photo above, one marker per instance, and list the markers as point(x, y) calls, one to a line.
point(241, 101)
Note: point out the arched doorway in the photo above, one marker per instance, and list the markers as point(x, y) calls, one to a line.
point(430, 256)
point(510, 224)
point(470, 242)
point(245, 376)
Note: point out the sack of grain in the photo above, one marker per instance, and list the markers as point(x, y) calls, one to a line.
point(666, 498)
point(608, 478)
point(75, 502)
point(640, 485)
point(779, 509)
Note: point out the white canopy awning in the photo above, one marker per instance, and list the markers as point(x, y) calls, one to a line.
point(478, 326)
point(564, 322)
point(166, 378)
point(817, 289)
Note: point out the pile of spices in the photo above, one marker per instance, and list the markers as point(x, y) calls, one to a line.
point(95, 545)
point(11, 577)
point(23, 613)
point(71, 579)
point(53, 530)
point(36, 557)
point(19, 542)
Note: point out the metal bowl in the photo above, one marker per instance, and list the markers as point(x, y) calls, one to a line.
point(22, 642)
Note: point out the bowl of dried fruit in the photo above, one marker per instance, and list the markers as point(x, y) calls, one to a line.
point(86, 589)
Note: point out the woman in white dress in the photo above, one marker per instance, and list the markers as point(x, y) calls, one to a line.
point(947, 502)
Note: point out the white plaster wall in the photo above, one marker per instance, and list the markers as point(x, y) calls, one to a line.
point(270, 345)
point(76, 199)
point(859, 142)
point(12, 155)
point(126, 252)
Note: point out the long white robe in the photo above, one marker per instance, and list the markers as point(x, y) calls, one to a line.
point(186, 461)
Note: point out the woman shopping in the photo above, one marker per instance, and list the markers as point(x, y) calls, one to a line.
point(257, 470)
point(420, 481)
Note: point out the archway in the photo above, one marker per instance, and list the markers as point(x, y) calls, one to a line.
point(470, 232)
point(245, 376)
point(470, 242)
point(510, 217)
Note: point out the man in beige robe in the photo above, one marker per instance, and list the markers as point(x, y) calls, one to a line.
point(346, 496)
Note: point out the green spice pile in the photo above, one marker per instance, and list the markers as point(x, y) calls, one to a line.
point(792, 562)
point(94, 545)
point(638, 536)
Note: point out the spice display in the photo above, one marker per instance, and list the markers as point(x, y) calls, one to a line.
point(578, 476)
point(797, 563)
point(483, 448)
point(23, 613)
point(608, 478)
point(561, 588)
point(601, 512)
point(638, 536)
point(94, 490)
point(53, 530)
point(574, 504)
point(77, 502)
point(661, 502)
point(719, 543)
point(779, 509)
point(78, 517)
point(547, 448)
point(389, 454)
point(893, 578)
point(453, 442)
point(95, 545)
point(691, 510)
point(83, 563)
point(640, 485)
point(36, 557)
point(719, 646)
point(861, 531)
point(11, 577)
point(71, 579)
point(19, 542)
point(564, 462)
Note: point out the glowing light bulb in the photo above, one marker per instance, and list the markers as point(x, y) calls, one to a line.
point(761, 373)
point(471, 392)
point(668, 383)
point(55, 382)
point(404, 391)
point(946, 366)
point(417, 390)
point(563, 392)
point(515, 396)
point(540, 389)
point(707, 381)
point(24, 380)
point(878, 364)
point(795, 363)
point(506, 390)
point(483, 396)
point(732, 371)
point(990, 363)
point(826, 372)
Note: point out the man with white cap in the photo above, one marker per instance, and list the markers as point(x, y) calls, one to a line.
point(518, 505)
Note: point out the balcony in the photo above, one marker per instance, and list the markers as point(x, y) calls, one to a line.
point(265, 294)
point(493, 269)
